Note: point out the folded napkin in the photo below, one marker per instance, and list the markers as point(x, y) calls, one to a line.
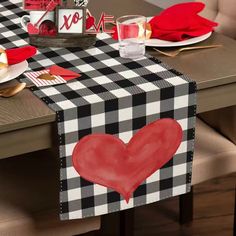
point(17, 55)
point(180, 22)
point(64, 73)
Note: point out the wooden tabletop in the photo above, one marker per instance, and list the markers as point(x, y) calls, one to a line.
point(26, 123)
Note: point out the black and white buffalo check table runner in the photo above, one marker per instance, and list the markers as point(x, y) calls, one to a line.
point(114, 96)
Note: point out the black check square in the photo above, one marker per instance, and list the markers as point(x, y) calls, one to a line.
point(113, 197)
point(124, 83)
point(90, 59)
point(166, 184)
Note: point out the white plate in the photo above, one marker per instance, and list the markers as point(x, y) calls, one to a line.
point(14, 71)
point(164, 43)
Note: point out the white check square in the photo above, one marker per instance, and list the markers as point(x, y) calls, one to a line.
point(93, 98)
point(94, 51)
point(147, 87)
point(98, 120)
point(102, 79)
point(75, 214)
point(155, 68)
point(71, 125)
point(110, 62)
point(66, 104)
point(126, 136)
point(85, 68)
point(178, 190)
point(176, 80)
point(180, 169)
point(153, 108)
point(74, 194)
point(76, 85)
point(50, 91)
point(125, 114)
point(181, 101)
point(128, 74)
point(119, 93)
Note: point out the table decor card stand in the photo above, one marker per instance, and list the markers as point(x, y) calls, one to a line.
point(68, 28)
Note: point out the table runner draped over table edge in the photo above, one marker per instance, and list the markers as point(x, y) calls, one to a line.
point(110, 89)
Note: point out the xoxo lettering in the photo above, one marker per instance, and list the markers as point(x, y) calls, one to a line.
point(70, 19)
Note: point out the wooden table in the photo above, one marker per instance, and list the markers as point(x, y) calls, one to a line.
point(27, 124)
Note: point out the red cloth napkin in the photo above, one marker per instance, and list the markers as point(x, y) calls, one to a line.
point(180, 22)
point(64, 73)
point(17, 55)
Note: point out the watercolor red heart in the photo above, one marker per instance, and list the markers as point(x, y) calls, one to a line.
point(106, 160)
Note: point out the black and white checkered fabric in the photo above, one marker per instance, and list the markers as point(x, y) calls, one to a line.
point(115, 96)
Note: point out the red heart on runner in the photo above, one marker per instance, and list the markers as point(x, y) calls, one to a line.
point(90, 22)
point(106, 160)
point(32, 29)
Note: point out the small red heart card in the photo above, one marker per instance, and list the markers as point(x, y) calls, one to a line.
point(106, 160)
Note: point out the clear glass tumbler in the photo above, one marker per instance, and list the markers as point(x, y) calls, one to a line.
point(131, 33)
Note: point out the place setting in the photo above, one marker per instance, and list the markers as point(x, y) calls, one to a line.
point(176, 29)
point(13, 64)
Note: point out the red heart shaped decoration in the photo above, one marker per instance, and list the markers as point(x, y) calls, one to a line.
point(90, 22)
point(108, 161)
point(48, 28)
point(32, 29)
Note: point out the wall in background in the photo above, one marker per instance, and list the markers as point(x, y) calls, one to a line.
point(166, 3)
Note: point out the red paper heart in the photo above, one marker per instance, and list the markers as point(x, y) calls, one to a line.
point(106, 160)
point(90, 22)
point(32, 29)
point(65, 73)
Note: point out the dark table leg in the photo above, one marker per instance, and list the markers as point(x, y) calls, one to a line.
point(93, 233)
point(118, 224)
point(235, 214)
point(186, 207)
point(127, 222)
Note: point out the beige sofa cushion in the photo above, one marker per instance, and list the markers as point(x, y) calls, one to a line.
point(223, 120)
point(223, 12)
point(214, 154)
point(29, 199)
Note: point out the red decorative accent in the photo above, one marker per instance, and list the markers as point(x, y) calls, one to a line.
point(101, 25)
point(64, 73)
point(50, 7)
point(180, 22)
point(32, 29)
point(48, 28)
point(106, 160)
point(115, 33)
point(90, 22)
point(39, 5)
point(17, 55)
